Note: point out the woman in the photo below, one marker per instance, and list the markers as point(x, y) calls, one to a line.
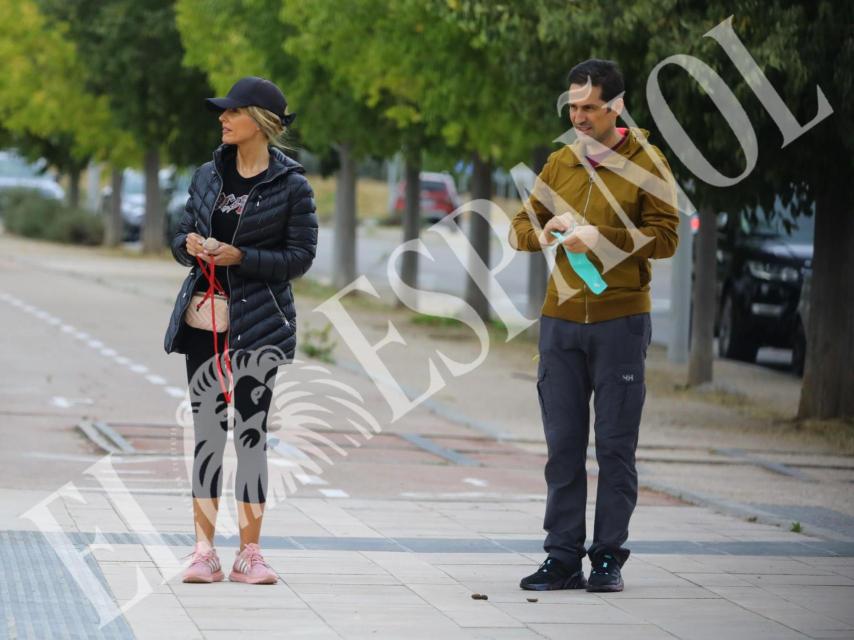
point(256, 202)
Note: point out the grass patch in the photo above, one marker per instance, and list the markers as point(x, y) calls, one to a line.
point(714, 392)
point(371, 198)
point(309, 288)
point(426, 320)
point(839, 434)
point(318, 344)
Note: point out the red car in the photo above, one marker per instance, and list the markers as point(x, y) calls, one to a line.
point(438, 197)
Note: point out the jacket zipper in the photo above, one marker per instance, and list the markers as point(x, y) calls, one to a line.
point(275, 302)
point(210, 227)
point(583, 215)
point(210, 231)
point(195, 263)
point(233, 238)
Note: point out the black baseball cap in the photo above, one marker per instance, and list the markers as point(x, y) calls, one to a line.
point(252, 91)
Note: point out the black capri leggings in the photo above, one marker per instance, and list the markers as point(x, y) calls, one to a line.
point(251, 398)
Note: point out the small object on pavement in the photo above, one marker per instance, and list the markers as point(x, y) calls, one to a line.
point(532, 599)
point(479, 596)
point(210, 244)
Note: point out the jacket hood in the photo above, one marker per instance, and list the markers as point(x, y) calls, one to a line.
point(280, 164)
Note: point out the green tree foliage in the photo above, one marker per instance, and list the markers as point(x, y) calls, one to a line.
point(799, 45)
point(469, 77)
point(259, 33)
point(44, 103)
point(135, 59)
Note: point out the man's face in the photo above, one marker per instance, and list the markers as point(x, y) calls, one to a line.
point(588, 113)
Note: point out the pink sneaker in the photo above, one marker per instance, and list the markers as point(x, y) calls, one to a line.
point(204, 566)
point(251, 568)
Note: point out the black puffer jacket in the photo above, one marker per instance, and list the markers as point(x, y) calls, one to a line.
point(278, 233)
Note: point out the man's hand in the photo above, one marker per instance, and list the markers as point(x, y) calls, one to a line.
point(561, 224)
point(223, 255)
point(582, 239)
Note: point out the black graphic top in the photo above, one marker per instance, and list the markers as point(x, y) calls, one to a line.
point(228, 208)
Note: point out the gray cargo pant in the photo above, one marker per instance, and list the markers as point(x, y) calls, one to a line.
point(606, 359)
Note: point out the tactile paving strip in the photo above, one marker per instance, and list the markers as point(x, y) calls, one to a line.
point(39, 599)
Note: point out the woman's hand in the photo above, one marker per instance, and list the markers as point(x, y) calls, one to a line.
point(194, 244)
point(223, 255)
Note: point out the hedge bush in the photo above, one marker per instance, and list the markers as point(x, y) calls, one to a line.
point(29, 214)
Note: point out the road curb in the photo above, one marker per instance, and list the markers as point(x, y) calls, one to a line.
point(739, 510)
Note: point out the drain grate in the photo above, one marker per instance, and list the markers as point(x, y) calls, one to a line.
point(39, 599)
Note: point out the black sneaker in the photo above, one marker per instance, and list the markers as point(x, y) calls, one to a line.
point(554, 574)
point(605, 574)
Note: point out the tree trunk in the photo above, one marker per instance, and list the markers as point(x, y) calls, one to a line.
point(93, 186)
point(74, 172)
point(679, 315)
point(479, 236)
point(393, 174)
point(113, 226)
point(411, 216)
point(344, 258)
point(701, 356)
point(537, 265)
point(828, 386)
point(153, 223)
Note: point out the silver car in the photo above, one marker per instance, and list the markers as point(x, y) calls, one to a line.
point(16, 173)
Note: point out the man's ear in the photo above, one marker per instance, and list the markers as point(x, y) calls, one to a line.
point(617, 104)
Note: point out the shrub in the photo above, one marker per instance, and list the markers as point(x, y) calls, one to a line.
point(317, 343)
point(77, 226)
point(29, 214)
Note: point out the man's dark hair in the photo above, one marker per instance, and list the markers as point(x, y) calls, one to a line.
point(602, 73)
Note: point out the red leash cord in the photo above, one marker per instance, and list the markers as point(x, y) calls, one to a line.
point(214, 286)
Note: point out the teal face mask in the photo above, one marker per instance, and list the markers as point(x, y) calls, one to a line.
point(582, 266)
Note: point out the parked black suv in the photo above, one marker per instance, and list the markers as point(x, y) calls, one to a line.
point(761, 265)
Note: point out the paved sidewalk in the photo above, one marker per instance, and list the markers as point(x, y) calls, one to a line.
point(386, 536)
point(407, 568)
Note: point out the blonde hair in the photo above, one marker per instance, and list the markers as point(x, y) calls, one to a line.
point(270, 124)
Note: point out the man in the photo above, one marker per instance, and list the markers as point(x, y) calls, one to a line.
point(610, 196)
